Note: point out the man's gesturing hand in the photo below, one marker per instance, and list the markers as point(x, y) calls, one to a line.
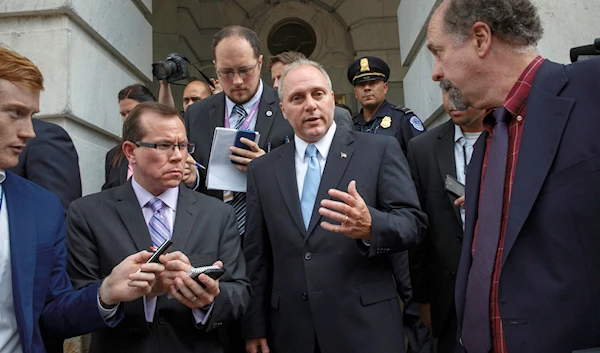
point(352, 212)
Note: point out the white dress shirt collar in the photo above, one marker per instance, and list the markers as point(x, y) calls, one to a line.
point(2, 175)
point(248, 105)
point(169, 197)
point(322, 145)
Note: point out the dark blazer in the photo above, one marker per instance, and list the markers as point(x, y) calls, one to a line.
point(45, 303)
point(104, 228)
point(114, 176)
point(202, 117)
point(314, 283)
point(433, 264)
point(50, 160)
point(549, 286)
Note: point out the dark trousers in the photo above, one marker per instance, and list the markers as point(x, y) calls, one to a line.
point(446, 340)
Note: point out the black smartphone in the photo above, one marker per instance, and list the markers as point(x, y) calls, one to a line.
point(163, 248)
point(213, 272)
point(249, 134)
point(454, 186)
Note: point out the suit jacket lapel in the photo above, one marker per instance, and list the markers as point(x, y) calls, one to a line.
point(444, 149)
point(286, 176)
point(334, 170)
point(129, 210)
point(264, 120)
point(23, 244)
point(185, 217)
point(544, 124)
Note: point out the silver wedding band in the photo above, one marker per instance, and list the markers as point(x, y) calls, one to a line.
point(345, 220)
point(193, 299)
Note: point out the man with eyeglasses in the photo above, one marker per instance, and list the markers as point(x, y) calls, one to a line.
point(369, 76)
point(150, 208)
point(246, 103)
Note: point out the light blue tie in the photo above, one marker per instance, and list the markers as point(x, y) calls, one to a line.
point(312, 179)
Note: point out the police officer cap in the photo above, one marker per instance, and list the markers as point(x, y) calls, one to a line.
point(368, 68)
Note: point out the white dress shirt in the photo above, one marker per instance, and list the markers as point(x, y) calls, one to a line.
point(169, 198)
point(463, 151)
point(302, 159)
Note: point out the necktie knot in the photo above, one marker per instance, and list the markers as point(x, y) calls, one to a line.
point(311, 151)
point(156, 204)
point(239, 109)
point(502, 115)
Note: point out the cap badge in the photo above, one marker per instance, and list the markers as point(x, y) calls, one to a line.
point(364, 65)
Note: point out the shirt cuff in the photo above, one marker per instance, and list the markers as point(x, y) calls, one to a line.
point(149, 308)
point(202, 316)
point(366, 242)
point(106, 313)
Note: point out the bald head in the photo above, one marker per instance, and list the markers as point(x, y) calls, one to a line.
point(195, 91)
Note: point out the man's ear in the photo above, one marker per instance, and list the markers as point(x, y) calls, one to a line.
point(282, 110)
point(482, 37)
point(128, 148)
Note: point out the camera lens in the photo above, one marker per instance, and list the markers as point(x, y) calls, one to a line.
point(163, 69)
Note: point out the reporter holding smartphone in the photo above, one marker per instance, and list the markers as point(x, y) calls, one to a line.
point(151, 208)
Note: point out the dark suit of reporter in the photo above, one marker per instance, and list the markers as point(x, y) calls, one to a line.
point(104, 227)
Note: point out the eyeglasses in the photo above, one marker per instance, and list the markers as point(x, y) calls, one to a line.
point(168, 147)
point(244, 72)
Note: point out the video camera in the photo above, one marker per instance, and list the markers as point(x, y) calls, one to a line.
point(173, 68)
point(586, 51)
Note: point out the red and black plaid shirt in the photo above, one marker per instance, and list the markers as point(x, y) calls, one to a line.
point(516, 104)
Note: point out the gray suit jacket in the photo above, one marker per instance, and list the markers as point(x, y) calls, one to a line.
point(201, 119)
point(343, 119)
point(319, 284)
point(104, 228)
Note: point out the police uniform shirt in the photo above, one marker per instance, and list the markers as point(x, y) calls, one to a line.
point(391, 120)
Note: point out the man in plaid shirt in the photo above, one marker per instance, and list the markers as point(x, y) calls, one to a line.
point(528, 279)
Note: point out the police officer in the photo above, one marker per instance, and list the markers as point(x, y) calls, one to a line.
point(369, 76)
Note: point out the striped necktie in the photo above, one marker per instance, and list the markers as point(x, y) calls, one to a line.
point(239, 109)
point(239, 198)
point(158, 225)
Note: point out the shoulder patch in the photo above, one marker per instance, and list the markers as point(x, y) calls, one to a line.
point(416, 123)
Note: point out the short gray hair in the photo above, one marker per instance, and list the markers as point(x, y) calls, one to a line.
point(514, 21)
point(298, 63)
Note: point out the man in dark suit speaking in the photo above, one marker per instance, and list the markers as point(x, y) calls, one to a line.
point(148, 209)
point(320, 265)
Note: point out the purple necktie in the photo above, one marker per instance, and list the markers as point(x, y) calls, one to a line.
point(158, 225)
point(476, 332)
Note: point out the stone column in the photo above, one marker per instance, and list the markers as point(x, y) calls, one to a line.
point(87, 51)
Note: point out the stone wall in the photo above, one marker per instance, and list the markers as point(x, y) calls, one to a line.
point(87, 51)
